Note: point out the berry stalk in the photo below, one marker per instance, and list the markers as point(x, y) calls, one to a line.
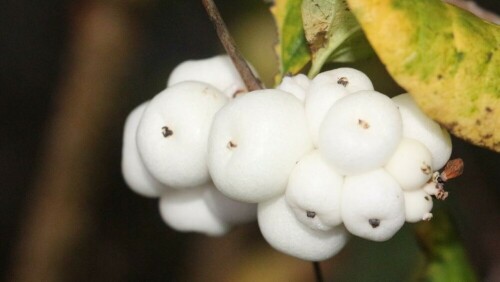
point(252, 83)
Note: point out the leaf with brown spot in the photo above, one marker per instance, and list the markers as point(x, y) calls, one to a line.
point(333, 33)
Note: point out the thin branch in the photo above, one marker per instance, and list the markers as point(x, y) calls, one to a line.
point(317, 271)
point(250, 80)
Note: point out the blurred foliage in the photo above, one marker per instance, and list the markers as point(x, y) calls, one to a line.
point(445, 256)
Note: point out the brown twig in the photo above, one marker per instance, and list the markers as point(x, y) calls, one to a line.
point(317, 271)
point(250, 80)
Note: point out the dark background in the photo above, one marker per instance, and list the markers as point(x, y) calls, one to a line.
point(119, 235)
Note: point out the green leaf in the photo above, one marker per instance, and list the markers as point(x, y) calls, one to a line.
point(292, 49)
point(445, 257)
point(333, 33)
point(445, 57)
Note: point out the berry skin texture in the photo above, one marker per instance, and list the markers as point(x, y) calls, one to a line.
point(134, 172)
point(228, 210)
point(296, 85)
point(319, 99)
point(418, 126)
point(187, 211)
point(418, 205)
point(372, 205)
point(411, 164)
point(173, 133)
point(360, 132)
point(217, 71)
point(285, 233)
point(254, 143)
point(314, 191)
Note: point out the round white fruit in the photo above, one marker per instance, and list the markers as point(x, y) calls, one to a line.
point(218, 71)
point(134, 172)
point(351, 79)
point(314, 192)
point(418, 205)
point(228, 210)
point(296, 85)
point(418, 126)
point(321, 96)
point(187, 211)
point(360, 132)
point(255, 141)
point(173, 133)
point(284, 232)
point(411, 164)
point(372, 205)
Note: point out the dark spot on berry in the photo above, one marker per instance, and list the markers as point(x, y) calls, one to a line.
point(488, 109)
point(343, 81)
point(439, 77)
point(427, 198)
point(374, 222)
point(165, 131)
point(310, 214)
point(231, 145)
point(425, 168)
point(363, 124)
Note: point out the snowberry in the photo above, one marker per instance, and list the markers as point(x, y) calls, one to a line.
point(187, 211)
point(372, 205)
point(134, 172)
point(319, 99)
point(418, 126)
point(411, 164)
point(296, 85)
point(360, 132)
point(173, 133)
point(284, 232)
point(218, 71)
point(254, 143)
point(351, 79)
point(314, 192)
point(418, 205)
point(229, 210)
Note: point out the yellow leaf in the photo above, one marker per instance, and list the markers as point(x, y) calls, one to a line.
point(447, 58)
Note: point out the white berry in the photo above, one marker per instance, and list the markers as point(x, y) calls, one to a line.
point(418, 205)
point(218, 71)
point(372, 205)
point(284, 232)
point(360, 132)
point(254, 143)
point(187, 211)
point(351, 79)
point(173, 133)
point(228, 210)
point(411, 164)
point(296, 85)
point(418, 126)
point(134, 172)
point(320, 97)
point(314, 192)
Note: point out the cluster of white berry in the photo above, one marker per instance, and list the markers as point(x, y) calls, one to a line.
point(313, 160)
